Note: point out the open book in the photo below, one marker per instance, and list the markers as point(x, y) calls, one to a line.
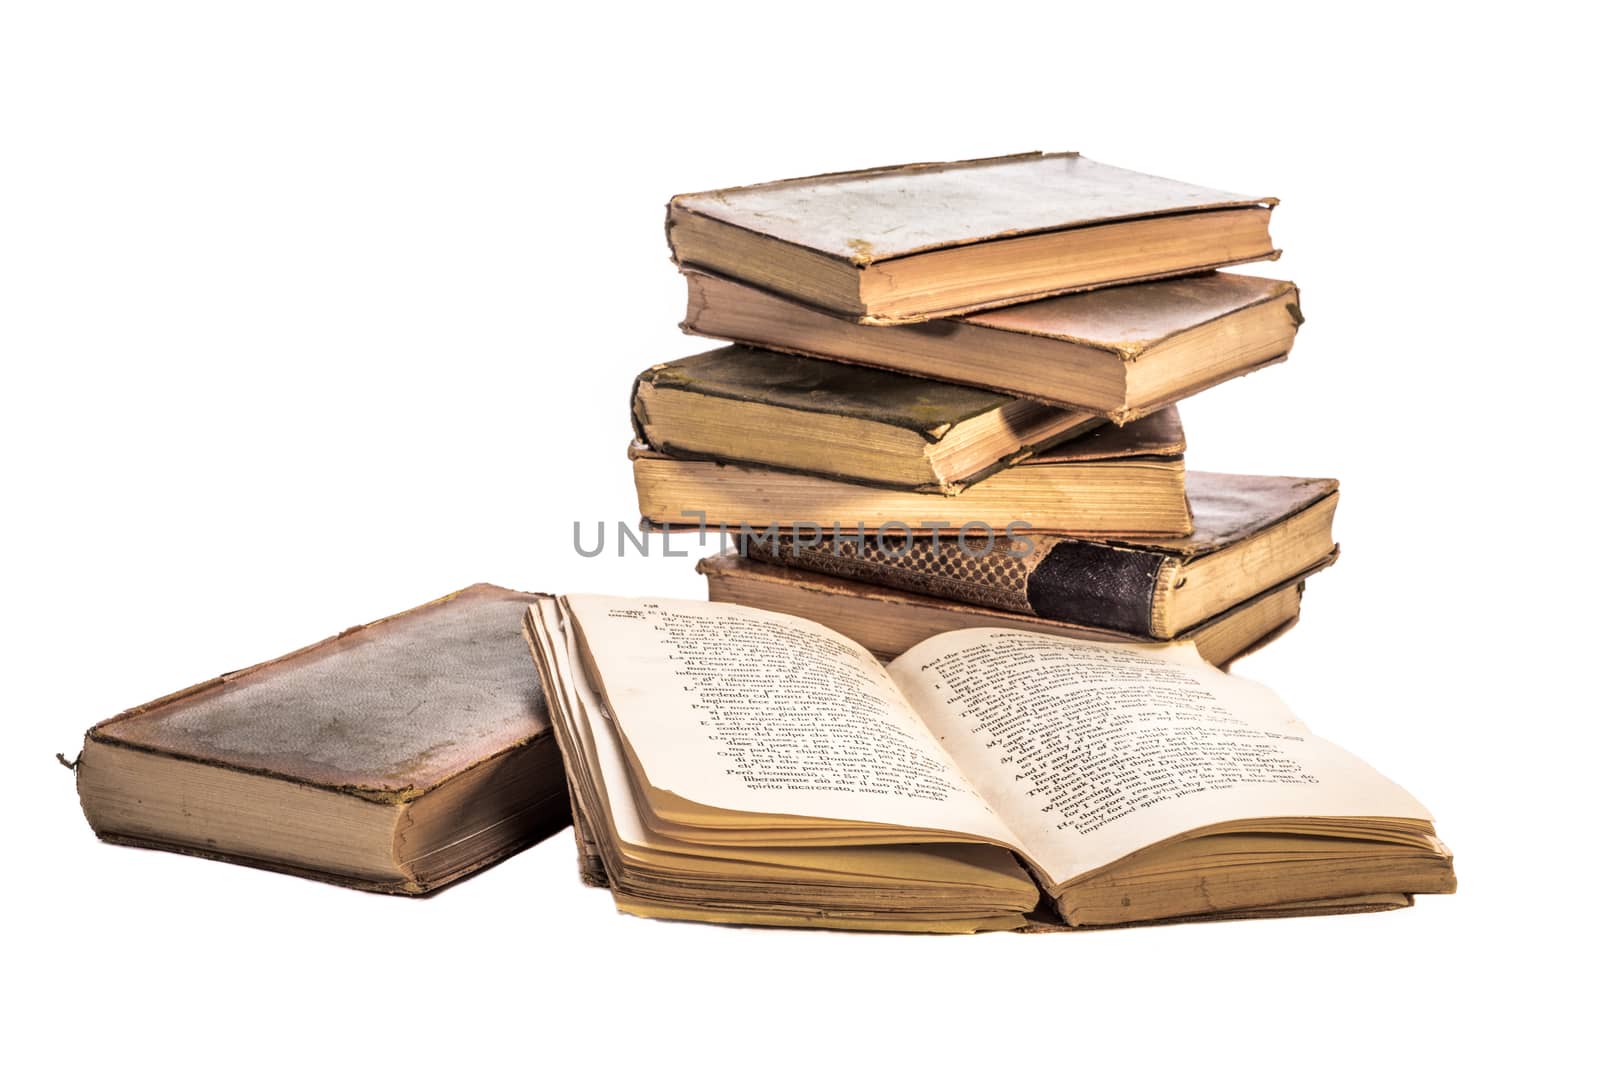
point(737, 765)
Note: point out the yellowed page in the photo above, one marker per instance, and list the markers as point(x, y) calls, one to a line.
point(751, 711)
point(1092, 750)
point(965, 865)
point(837, 920)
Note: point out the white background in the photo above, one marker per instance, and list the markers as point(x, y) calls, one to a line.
point(313, 312)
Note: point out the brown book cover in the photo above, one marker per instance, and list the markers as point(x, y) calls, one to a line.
point(396, 756)
point(1121, 584)
point(1120, 352)
point(900, 244)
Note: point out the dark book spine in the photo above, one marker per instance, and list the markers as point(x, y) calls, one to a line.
point(1097, 585)
point(1089, 583)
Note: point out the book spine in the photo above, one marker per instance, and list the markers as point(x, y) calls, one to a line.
point(1097, 585)
point(1088, 583)
point(636, 413)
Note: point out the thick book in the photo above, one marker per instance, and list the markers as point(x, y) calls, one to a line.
point(1121, 352)
point(835, 420)
point(893, 245)
point(397, 756)
point(1115, 480)
point(889, 621)
point(1251, 532)
point(740, 766)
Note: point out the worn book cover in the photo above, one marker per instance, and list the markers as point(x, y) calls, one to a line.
point(1250, 532)
point(892, 245)
point(1120, 352)
point(395, 756)
point(889, 620)
point(836, 420)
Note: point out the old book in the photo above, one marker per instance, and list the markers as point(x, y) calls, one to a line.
point(901, 244)
point(396, 756)
point(742, 766)
point(1115, 480)
point(1120, 352)
point(834, 420)
point(1251, 532)
point(889, 621)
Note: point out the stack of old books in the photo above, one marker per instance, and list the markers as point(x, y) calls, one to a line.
point(951, 402)
point(945, 438)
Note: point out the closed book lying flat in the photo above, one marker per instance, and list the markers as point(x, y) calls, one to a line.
point(1115, 480)
point(396, 756)
point(736, 765)
point(889, 621)
point(835, 420)
point(894, 245)
point(1251, 532)
point(1121, 352)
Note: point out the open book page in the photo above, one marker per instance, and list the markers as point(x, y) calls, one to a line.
point(596, 736)
point(1091, 751)
point(754, 712)
point(602, 757)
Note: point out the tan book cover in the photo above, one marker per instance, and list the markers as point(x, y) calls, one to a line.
point(900, 244)
point(1115, 480)
point(395, 756)
point(837, 420)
